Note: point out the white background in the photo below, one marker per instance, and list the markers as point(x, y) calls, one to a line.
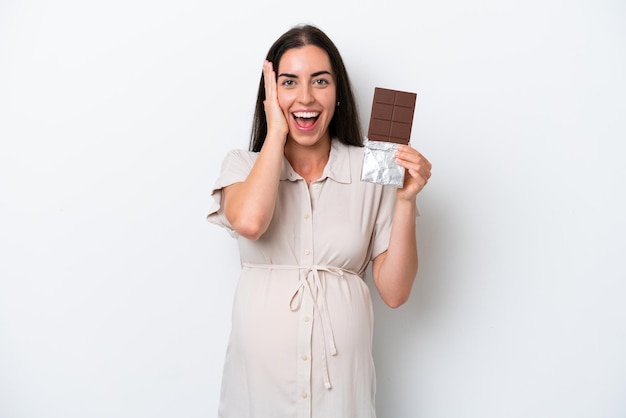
point(115, 293)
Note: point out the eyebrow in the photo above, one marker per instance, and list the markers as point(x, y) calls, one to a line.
point(316, 74)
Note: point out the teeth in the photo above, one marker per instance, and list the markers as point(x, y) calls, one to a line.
point(306, 115)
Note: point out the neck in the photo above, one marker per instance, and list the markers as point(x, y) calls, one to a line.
point(309, 162)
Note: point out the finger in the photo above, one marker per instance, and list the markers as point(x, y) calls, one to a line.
point(419, 177)
point(269, 78)
point(414, 162)
point(407, 151)
point(416, 170)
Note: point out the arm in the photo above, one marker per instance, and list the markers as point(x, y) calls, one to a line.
point(249, 205)
point(394, 270)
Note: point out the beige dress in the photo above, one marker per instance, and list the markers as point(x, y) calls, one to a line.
point(301, 339)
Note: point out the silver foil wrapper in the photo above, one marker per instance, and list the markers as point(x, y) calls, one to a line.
point(379, 164)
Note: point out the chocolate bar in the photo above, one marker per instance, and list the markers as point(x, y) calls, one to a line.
point(392, 116)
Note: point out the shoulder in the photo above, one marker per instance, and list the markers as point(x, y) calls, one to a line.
point(237, 159)
point(347, 149)
point(352, 157)
point(357, 155)
point(351, 153)
point(241, 154)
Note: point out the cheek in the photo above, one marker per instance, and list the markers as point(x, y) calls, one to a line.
point(285, 100)
point(328, 99)
point(330, 104)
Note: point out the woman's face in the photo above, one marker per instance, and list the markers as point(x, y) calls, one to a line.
point(307, 93)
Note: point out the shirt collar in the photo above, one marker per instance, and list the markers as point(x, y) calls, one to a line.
point(337, 168)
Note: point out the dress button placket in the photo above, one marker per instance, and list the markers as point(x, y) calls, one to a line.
point(304, 349)
point(306, 318)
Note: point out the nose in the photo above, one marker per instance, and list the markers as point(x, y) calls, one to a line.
point(306, 95)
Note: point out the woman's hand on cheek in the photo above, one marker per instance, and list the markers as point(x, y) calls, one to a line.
point(417, 171)
point(276, 122)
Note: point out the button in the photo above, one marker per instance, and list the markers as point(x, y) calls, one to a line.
point(307, 252)
point(316, 186)
point(306, 319)
point(304, 357)
point(307, 216)
point(303, 395)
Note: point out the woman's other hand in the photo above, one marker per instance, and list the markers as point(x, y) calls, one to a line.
point(417, 171)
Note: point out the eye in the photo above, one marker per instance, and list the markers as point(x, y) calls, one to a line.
point(322, 82)
point(288, 83)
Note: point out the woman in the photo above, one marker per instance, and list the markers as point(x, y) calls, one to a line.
point(307, 228)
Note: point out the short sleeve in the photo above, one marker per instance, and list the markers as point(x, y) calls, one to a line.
point(382, 227)
point(235, 168)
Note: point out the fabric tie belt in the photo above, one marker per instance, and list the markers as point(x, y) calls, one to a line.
point(311, 283)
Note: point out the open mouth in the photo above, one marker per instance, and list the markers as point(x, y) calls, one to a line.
point(305, 120)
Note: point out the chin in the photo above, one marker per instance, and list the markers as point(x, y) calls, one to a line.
point(306, 140)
